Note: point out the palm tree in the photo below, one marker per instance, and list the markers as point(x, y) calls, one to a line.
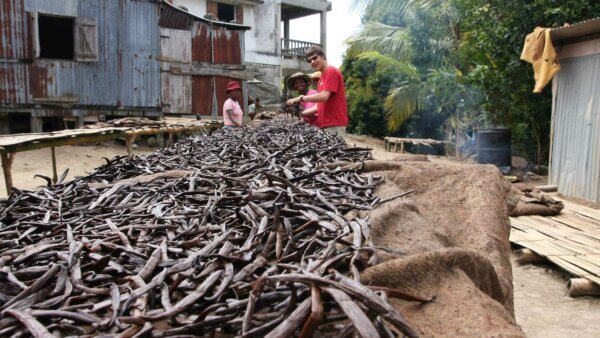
point(394, 45)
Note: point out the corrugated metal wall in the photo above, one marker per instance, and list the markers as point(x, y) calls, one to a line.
point(131, 48)
point(175, 46)
point(575, 161)
point(226, 46)
point(127, 72)
point(15, 31)
point(208, 43)
point(139, 46)
point(201, 42)
point(202, 100)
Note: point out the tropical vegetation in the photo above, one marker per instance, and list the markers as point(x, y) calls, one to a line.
point(420, 68)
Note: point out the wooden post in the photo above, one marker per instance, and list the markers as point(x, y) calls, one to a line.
point(129, 140)
point(7, 160)
point(171, 139)
point(402, 147)
point(54, 174)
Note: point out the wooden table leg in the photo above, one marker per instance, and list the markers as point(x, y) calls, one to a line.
point(396, 147)
point(7, 160)
point(129, 140)
point(402, 147)
point(54, 174)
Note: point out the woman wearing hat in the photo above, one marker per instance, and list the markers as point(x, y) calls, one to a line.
point(232, 112)
point(315, 77)
point(300, 83)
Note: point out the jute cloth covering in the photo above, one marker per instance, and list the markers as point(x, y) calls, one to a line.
point(448, 239)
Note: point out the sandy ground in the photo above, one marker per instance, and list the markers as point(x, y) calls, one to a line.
point(79, 159)
point(541, 305)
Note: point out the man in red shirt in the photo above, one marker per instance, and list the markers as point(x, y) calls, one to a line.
point(332, 108)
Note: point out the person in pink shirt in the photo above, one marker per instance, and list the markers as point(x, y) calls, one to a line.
point(332, 108)
point(300, 83)
point(232, 112)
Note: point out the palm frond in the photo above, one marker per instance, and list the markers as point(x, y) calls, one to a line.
point(385, 39)
point(397, 6)
point(386, 63)
point(400, 104)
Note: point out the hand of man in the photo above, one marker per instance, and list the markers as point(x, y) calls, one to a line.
point(292, 101)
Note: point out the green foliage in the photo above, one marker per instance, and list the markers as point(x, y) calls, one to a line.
point(426, 87)
point(492, 36)
point(465, 57)
point(368, 80)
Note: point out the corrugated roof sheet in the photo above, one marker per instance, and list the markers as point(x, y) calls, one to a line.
point(575, 161)
point(177, 17)
point(575, 31)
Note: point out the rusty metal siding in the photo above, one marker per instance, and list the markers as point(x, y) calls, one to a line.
point(575, 161)
point(15, 28)
point(175, 19)
point(201, 42)
point(226, 45)
point(13, 83)
point(127, 72)
point(202, 95)
point(53, 78)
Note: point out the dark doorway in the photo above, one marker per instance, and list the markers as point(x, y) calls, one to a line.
point(19, 123)
point(52, 123)
point(56, 35)
point(226, 12)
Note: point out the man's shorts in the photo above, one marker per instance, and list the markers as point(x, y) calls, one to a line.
point(339, 131)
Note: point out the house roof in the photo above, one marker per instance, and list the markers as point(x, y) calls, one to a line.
point(183, 17)
point(580, 31)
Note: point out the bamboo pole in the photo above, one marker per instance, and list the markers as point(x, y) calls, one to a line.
point(7, 159)
point(582, 287)
point(54, 174)
point(129, 140)
point(527, 256)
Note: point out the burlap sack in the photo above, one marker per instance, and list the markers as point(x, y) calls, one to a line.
point(448, 239)
point(537, 203)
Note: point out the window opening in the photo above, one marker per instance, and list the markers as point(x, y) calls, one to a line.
point(56, 37)
point(226, 12)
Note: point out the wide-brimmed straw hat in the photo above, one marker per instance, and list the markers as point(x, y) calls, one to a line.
point(233, 86)
point(290, 81)
point(315, 75)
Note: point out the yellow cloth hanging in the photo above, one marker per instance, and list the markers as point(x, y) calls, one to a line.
point(539, 51)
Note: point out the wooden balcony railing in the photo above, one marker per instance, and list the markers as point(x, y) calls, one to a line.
point(294, 48)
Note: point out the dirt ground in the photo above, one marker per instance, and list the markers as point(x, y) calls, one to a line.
point(79, 159)
point(541, 305)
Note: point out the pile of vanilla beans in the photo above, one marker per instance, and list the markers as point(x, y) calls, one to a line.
point(241, 233)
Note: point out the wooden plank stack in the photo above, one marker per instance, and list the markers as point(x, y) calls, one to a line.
point(570, 240)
